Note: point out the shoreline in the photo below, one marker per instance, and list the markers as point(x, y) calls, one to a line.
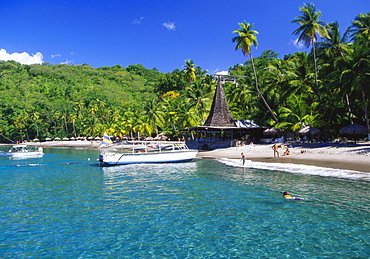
point(354, 157)
point(331, 155)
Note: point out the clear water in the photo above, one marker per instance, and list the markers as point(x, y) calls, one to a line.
point(63, 206)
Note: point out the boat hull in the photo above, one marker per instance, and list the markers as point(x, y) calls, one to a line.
point(111, 159)
point(21, 154)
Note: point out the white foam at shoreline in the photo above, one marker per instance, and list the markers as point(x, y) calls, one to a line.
point(299, 169)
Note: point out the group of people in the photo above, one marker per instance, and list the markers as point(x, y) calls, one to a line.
point(275, 148)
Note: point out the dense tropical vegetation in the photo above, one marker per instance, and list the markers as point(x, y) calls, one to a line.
point(329, 88)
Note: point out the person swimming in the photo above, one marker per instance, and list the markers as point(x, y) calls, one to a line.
point(287, 196)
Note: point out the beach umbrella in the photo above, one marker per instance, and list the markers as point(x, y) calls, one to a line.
point(72, 138)
point(308, 130)
point(57, 138)
point(353, 129)
point(65, 138)
point(36, 140)
point(48, 139)
point(272, 132)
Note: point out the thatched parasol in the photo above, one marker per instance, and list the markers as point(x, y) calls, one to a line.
point(353, 129)
point(272, 132)
point(308, 130)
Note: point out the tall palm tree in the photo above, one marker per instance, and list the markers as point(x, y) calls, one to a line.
point(310, 27)
point(335, 47)
point(355, 75)
point(245, 39)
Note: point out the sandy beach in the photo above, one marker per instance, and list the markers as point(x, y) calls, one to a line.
point(331, 155)
point(338, 156)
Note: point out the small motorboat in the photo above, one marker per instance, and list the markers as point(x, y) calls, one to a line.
point(22, 151)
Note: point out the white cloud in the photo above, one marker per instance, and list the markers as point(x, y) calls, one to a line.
point(56, 55)
point(68, 62)
point(23, 58)
point(298, 44)
point(222, 73)
point(138, 21)
point(171, 26)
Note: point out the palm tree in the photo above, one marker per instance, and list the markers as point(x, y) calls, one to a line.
point(310, 26)
point(334, 45)
point(199, 96)
point(245, 39)
point(355, 75)
point(154, 115)
point(360, 26)
point(189, 70)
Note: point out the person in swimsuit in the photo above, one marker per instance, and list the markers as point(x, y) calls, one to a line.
point(243, 158)
point(287, 196)
point(275, 147)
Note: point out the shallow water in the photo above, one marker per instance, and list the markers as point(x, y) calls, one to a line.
point(64, 206)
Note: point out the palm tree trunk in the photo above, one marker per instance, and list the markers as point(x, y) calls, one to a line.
point(349, 109)
point(316, 80)
point(259, 92)
point(365, 110)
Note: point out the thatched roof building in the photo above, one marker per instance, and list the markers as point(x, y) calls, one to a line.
point(219, 115)
point(220, 130)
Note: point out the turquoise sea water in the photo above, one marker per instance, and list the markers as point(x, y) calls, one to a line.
point(64, 206)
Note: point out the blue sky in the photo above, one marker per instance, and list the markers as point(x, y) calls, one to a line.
point(158, 33)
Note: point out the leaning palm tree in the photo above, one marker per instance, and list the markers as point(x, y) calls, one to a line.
point(310, 26)
point(245, 39)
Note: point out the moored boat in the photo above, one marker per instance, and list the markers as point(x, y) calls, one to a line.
point(136, 152)
point(20, 151)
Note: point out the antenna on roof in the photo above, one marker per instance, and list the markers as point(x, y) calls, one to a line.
point(224, 76)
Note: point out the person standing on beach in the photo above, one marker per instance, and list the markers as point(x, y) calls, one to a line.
point(275, 148)
point(243, 158)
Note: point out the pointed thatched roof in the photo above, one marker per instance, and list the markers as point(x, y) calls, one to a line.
point(219, 115)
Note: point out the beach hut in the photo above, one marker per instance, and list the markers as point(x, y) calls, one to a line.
point(353, 129)
point(309, 133)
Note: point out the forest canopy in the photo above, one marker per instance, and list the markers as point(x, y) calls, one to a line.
point(327, 87)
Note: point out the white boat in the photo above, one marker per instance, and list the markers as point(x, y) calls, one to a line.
point(20, 151)
point(136, 152)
